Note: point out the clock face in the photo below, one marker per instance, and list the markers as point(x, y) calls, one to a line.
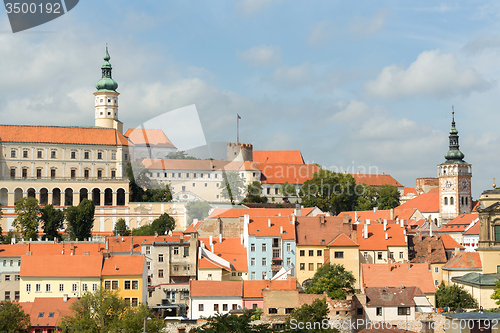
point(447, 185)
point(464, 185)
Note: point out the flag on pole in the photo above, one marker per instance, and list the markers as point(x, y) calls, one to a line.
point(239, 116)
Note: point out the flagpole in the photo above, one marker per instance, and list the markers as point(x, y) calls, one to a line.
point(237, 129)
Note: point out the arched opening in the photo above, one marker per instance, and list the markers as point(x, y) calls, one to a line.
point(120, 197)
point(108, 197)
point(466, 200)
point(445, 200)
point(452, 200)
point(463, 200)
point(84, 194)
point(4, 197)
point(31, 193)
point(44, 196)
point(68, 197)
point(96, 196)
point(56, 197)
point(18, 194)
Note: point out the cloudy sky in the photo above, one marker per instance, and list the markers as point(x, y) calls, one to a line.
point(353, 85)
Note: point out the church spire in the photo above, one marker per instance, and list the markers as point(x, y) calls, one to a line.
point(454, 155)
point(106, 83)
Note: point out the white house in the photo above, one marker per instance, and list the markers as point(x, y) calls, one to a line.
point(210, 297)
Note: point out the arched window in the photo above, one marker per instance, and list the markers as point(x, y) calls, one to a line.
point(451, 201)
point(445, 200)
point(462, 201)
point(466, 200)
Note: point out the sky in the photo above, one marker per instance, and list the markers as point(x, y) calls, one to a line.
point(355, 85)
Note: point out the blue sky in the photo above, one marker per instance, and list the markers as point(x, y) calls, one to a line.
point(352, 85)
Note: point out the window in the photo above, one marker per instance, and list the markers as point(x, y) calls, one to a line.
point(176, 250)
point(217, 184)
point(339, 255)
point(200, 307)
point(160, 273)
point(25, 173)
point(5, 262)
point(391, 255)
point(107, 285)
point(38, 287)
point(86, 155)
point(401, 255)
point(311, 266)
point(252, 261)
point(38, 173)
point(264, 262)
point(94, 286)
point(86, 173)
point(233, 274)
point(99, 174)
point(17, 277)
point(13, 173)
point(252, 247)
point(276, 253)
point(40, 314)
point(39, 153)
point(445, 200)
point(7, 277)
point(52, 173)
point(436, 269)
point(11, 263)
point(379, 311)
point(47, 288)
point(452, 200)
point(216, 307)
point(224, 307)
point(319, 253)
point(403, 311)
point(311, 253)
point(73, 155)
point(51, 314)
point(52, 154)
point(25, 153)
point(289, 262)
point(160, 258)
point(84, 287)
point(359, 311)
point(264, 248)
point(148, 249)
point(273, 310)
point(252, 276)
point(61, 287)
point(289, 247)
point(99, 155)
point(28, 287)
point(74, 288)
point(113, 174)
point(113, 156)
point(19, 263)
point(240, 273)
point(302, 267)
point(276, 191)
point(73, 173)
point(187, 174)
point(149, 265)
point(186, 251)
point(17, 295)
point(379, 255)
point(436, 282)
point(365, 255)
point(288, 310)
point(13, 153)
point(135, 301)
point(268, 190)
point(126, 157)
point(319, 265)
point(114, 285)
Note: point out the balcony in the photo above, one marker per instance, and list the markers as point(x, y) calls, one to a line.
point(181, 270)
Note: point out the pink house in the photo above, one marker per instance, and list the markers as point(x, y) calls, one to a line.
point(46, 313)
point(252, 291)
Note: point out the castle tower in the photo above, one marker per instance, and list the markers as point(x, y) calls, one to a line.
point(106, 99)
point(454, 181)
point(239, 152)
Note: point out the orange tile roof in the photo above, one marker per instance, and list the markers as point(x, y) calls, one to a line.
point(238, 212)
point(61, 266)
point(123, 244)
point(231, 250)
point(64, 135)
point(278, 156)
point(205, 263)
point(254, 288)
point(475, 204)
point(215, 288)
point(258, 227)
point(319, 230)
point(198, 165)
point(47, 305)
point(16, 250)
point(474, 230)
point(450, 243)
point(376, 179)
point(409, 190)
point(148, 137)
point(425, 202)
point(464, 261)
point(342, 240)
point(192, 227)
point(383, 214)
point(376, 237)
point(395, 275)
point(123, 265)
point(276, 173)
point(459, 223)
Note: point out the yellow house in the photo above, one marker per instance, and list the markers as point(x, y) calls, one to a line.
point(59, 275)
point(128, 276)
point(344, 251)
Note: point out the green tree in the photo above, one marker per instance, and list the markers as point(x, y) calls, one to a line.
point(368, 198)
point(27, 220)
point(13, 319)
point(121, 228)
point(455, 297)
point(232, 186)
point(330, 191)
point(388, 197)
point(104, 311)
point(180, 155)
point(254, 193)
point(1, 235)
point(52, 220)
point(160, 226)
point(333, 279)
point(136, 191)
point(80, 220)
point(228, 323)
point(288, 190)
point(157, 194)
point(197, 210)
point(143, 188)
point(8, 239)
point(303, 319)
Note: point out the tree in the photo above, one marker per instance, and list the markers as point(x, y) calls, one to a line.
point(368, 197)
point(254, 193)
point(197, 210)
point(80, 220)
point(287, 190)
point(303, 318)
point(160, 226)
point(13, 319)
point(104, 311)
point(229, 323)
point(330, 191)
point(333, 279)
point(27, 220)
point(157, 194)
point(52, 221)
point(143, 188)
point(1, 231)
point(180, 155)
point(456, 297)
point(232, 186)
point(388, 197)
point(121, 228)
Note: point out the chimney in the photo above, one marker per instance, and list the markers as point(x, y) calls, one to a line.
point(385, 225)
point(294, 219)
point(281, 230)
point(298, 210)
point(406, 239)
point(404, 231)
point(279, 214)
point(345, 218)
point(392, 214)
point(195, 222)
point(401, 222)
point(246, 219)
point(210, 240)
point(65, 298)
point(365, 231)
point(367, 221)
point(241, 239)
point(430, 228)
point(355, 216)
point(386, 236)
point(269, 222)
point(457, 249)
point(220, 238)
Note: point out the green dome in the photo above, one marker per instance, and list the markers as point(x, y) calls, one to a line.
point(106, 83)
point(454, 155)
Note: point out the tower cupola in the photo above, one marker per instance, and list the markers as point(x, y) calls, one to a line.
point(454, 155)
point(106, 83)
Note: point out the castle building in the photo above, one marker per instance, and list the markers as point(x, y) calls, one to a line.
point(454, 181)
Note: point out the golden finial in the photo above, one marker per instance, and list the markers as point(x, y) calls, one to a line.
point(494, 185)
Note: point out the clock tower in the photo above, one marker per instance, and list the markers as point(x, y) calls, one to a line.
point(454, 181)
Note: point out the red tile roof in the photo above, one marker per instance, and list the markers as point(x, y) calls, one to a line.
point(198, 165)
point(16, 250)
point(376, 180)
point(258, 227)
point(230, 250)
point(392, 296)
point(342, 240)
point(395, 275)
point(295, 174)
point(278, 156)
point(254, 288)
point(449, 243)
point(459, 223)
point(148, 137)
point(238, 212)
point(383, 214)
point(464, 261)
point(123, 265)
point(409, 190)
point(123, 244)
point(215, 288)
point(319, 230)
point(425, 202)
point(63, 135)
point(61, 266)
point(205, 263)
point(429, 249)
point(376, 237)
point(474, 230)
point(52, 308)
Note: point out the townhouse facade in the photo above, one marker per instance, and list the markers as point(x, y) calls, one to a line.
point(208, 298)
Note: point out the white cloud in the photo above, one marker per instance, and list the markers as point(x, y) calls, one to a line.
point(432, 74)
point(367, 26)
point(321, 33)
point(292, 77)
point(262, 55)
point(441, 8)
point(482, 43)
point(249, 7)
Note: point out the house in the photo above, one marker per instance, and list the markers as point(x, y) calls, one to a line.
point(253, 297)
point(377, 180)
point(461, 264)
point(47, 313)
point(222, 259)
point(210, 297)
point(457, 227)
point(426, 203)
point(128, 276)
point(399, 275)
point(405, 214)
point(169, 299)
point(480, 286)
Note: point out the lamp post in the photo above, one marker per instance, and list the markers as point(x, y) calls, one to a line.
point(145, 322)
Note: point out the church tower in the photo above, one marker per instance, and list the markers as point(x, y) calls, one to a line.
point(106, 99)
point(454, 181)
